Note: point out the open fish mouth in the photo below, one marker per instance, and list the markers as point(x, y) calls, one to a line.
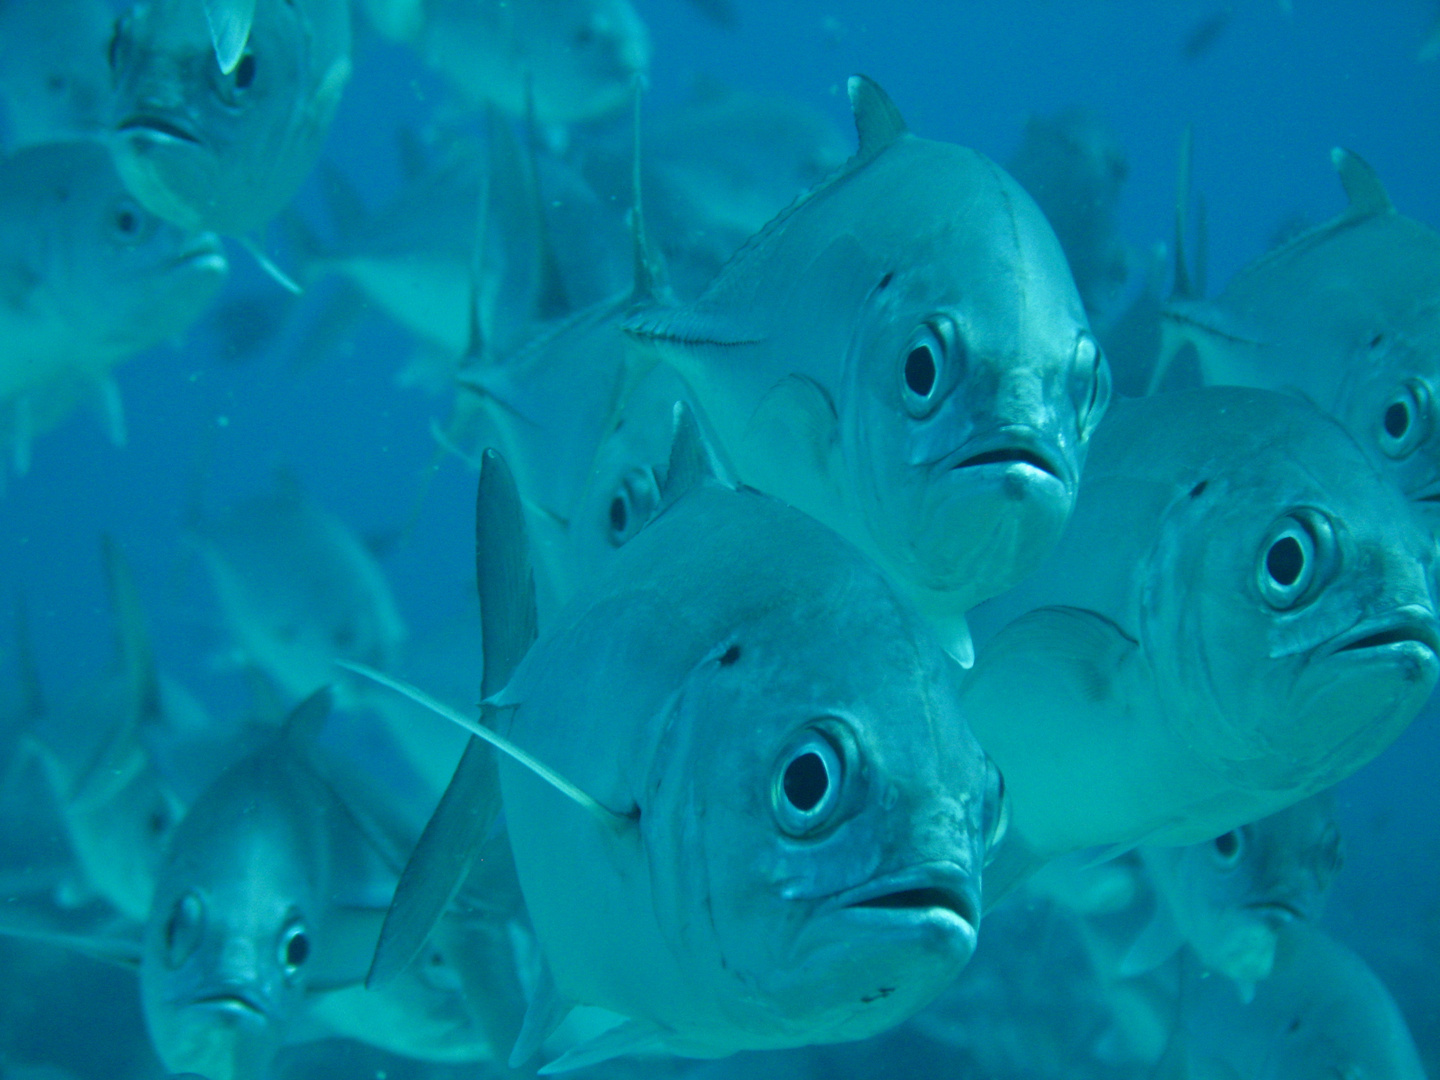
point(207, 248)
point(1279, 910)
point(157, 125)
point(1007, 456)
point(936, 888)
point(232, 1000)
point(1007, 446)
point(1399, 629)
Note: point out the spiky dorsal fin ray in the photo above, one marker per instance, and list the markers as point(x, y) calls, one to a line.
point(878, 122)
point(1362, 185)
point(552, 299)
point(229, 22)
point(692, 460)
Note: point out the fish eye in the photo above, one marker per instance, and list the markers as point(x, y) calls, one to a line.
point(1297, 553)
point(1228, 847)
point(632, 504)
point(294, 949)
point(129, 222)
point(1092, 373)
point(997, 809)
point(245, 72)
point(1405, 420)
point(925, 358)
point(807, 783)
point(184, 928)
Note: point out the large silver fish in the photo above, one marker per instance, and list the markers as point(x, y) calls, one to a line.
point(265, 915)
point(902, 354)
point(574, 59)
point(1238, 616)
point(1229, 897)
point(212, 146)
point(791, 815)
point(88, 278)
point(1346, 314)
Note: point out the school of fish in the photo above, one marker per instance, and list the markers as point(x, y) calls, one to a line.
point(893, 644)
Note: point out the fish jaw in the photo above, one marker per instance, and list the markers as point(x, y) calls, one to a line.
point(889, 946)
point(224, 1030)
point(166, 166)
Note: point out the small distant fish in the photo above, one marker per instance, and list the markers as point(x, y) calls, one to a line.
point(1229, 897)
point(782, 832)
point(54, 81)
point(1347, 314)
point(1238, 616)
point(117, 808)
point(1322, 1012)
point(218, 147)
point(88, 278)
point(865, 358)
point(1073, 165)
point(575, 59)
point(1205, 34)
point(265, 913)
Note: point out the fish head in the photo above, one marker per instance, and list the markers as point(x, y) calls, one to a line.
point(824, 854)
point(1234, 892)
point(580, 57)
point(110, 266)
point(210, 149)
point(1287, 607)
point(977, 386)
point(231, 930)
point(1389, 400)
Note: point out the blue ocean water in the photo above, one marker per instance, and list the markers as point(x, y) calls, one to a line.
point(209, 423)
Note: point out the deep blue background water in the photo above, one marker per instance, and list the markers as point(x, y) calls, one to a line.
point(1275, 92)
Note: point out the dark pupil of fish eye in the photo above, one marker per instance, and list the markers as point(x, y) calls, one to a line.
point(806, 781)
point(617, 514)
point(126, 221)
point(1397, 420)
point(1285, 560)
point(297, 950)
point(920, 371)
point(1227, 845)
point(245, 71)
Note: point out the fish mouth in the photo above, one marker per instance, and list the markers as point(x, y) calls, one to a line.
point(153, 125)
point(1279, 910)
point(924, 892)
point(235, 1000)
point(206, 249)
point(1007, 447)
point(1408, 626)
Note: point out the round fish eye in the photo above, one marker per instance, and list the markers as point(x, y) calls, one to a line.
point(634, 501)
point(997, 809)
point(294, 949)
point(130, 223)
point(1296, 550)
point(1092, 374)
point(1228, 847)
point(245, 72)
point(184, 928)
point(807, 784)
point(924, 369)
point(1405, 420)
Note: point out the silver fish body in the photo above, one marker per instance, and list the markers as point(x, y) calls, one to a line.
point(1348, 315)
point(225, 150)
point(903, 355)
point(1231, 895)
point(800, 813)
point(88, 278)
point(1239, 616)
point(54, 83)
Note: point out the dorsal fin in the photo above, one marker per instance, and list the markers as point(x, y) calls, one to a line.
point(1362, 186)
point(302, 726)
point(229, 22)
point(504, 574)
point(137, 659)
point(877, 121)
point(692, 461)
point(651, 281)
point(475, 335)
point(1183, 288)
point(551, 297)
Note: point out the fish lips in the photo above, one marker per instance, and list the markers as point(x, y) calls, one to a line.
point(927, 898)
point(239, 1002)
point(157, 127)
point(1409, 631)
point(1016, 456)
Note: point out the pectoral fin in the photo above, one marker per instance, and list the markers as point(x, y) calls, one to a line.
point(546, 1012)
point(1159, 941)
point(630, 1037)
